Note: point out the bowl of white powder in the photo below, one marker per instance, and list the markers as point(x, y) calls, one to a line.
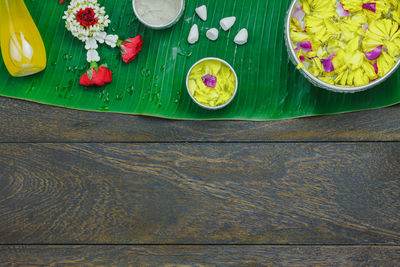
point(158, 14)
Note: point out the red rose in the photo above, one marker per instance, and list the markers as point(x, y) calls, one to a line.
point(86, 17)
point(100, 77)
point(130, 48)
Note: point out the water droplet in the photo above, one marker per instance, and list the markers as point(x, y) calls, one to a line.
point(63, 91)
point(184, 49)
point(69, 69)
point(32, 88)
point(130, 90)
point(118, 97)
point(176, 101)
point(184, 53)
point(145, 72)
point(162, 68)
point(54, 63)
point(67, 57)
point(105, 96)
point(57, 88)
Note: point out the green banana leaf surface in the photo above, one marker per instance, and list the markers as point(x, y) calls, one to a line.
point(153, 84)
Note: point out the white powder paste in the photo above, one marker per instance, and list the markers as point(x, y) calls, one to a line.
point(158, 12)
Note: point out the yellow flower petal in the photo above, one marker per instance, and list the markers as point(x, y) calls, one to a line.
point(359, 78)
point(353, 45)
point(355, 59)
point(352, 6)
point(385, 64)
point(369, 70)
point(327, 80)
point(299, 36)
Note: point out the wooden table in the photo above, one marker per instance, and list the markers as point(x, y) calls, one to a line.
point(89, 188)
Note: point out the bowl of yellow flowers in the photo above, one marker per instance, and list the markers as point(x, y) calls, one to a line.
point(344, 45)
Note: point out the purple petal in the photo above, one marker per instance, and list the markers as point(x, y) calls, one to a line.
point(370, 7)
point(209, 80)
point(302, 58)
point(365, 27)
point(341, 11)
point(299, 14)
point(327, 63)
point(375, 67)
point(374, 54)
point(306, 46)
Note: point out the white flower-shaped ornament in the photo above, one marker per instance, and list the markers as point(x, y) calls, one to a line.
point(87, 21)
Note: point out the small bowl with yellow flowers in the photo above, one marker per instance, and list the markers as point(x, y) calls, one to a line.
point(344, 46)
point(212, 83)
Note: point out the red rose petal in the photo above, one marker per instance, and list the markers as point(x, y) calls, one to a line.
point(131, 48)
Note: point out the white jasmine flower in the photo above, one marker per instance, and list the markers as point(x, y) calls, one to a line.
point(100, 37)
point(92, 56)
point(111, 40)
point(91, 44)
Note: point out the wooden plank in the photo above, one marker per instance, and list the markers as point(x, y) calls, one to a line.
point(198, 256)
point(200, 193)
point(22, 121)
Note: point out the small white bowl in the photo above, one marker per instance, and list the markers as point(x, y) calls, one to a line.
point(202, 105)
point(163, 26)
point(314, 80)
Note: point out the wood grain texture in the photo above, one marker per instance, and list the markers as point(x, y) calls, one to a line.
point(200, 193)
point(198, 256)
point(22, 121)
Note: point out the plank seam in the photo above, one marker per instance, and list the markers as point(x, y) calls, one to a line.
point(201, 142)
point(194, 245)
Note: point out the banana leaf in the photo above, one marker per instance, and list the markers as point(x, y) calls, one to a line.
point(270, 87)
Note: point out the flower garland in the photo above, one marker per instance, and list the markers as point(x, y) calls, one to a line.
point(87, 21)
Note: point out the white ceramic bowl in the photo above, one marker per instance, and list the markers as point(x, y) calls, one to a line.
point(162, 26)
point(195, 100)
point(314, 80)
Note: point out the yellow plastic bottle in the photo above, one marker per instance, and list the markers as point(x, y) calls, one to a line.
point(21, 44)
